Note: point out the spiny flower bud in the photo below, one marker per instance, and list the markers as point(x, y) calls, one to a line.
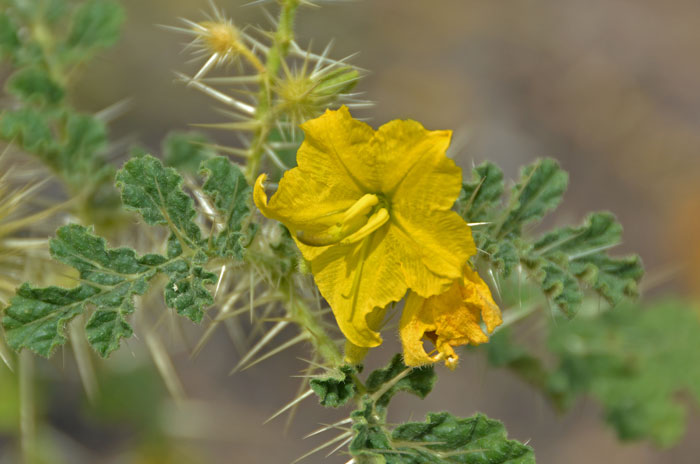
point(303, 95)
point(220, 38)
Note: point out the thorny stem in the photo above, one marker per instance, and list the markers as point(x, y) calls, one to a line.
point(300, 313)
point(264, 112)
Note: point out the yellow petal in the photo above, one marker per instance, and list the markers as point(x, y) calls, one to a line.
point(335, 151)
point(415, 322)
point(451, 319)
point(357, 280)
point(476, 293)
point(356, 354)
point(434, 249)
point(413, 164)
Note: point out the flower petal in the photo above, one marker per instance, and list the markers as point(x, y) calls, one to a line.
point(412, 166)
point(434, 249)
point(335, 151)
point(450, 319)
point(415, 322)
point(303, 204)
point(356, 280)
point(476, 293)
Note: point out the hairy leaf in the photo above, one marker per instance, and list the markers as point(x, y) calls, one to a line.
point(481, 196)
point(540, 189)
point(419, 380)
point(155, 192)
point(372, 439)
point(227, 186)
point(36, 317)
point(111, 277)
point(336, 388)
point(564, 258)
point(443, 438)
point(186, 291)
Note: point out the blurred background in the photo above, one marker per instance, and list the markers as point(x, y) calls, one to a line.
point(610, 88)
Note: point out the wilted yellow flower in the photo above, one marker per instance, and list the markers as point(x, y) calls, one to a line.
point(371, 212)
point(451, 319)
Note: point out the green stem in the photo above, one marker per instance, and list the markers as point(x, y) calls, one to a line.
point(264, 114)
point(300, 313)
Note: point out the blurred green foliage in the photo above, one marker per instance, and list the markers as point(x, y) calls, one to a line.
point(634, 360)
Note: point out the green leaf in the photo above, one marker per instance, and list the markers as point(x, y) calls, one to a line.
point(557, 284)
point(613, 278)
point(186, 291)
point(84, 138)
point(443, 438)
point(562, 258)
point(336, 388)
point(186, 150)
point(371, 439)
point(227, 186)
point(34, 85)
point(111, 277)
point(29, 128)
point(9, 37)
point(36, 317)
point(95, 25)
point(107, 327)
point(155, 192)
point(419, 380)
point(482, 195)
point(635, 361)
point(540, 189)
point(503, 255)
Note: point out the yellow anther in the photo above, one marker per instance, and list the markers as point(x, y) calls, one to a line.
point(360, 208)
point(375, 221)
point(352, 221)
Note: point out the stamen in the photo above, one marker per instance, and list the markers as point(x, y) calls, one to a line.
point(353, 221)
point(375, 221)
point(361, 207)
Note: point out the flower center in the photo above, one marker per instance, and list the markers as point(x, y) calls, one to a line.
point(365, 216)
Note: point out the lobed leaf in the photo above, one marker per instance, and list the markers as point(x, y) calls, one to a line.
point(481, 196)
point(186, 290)
point(419, 380)
point(155, 192)
point(540, 190)
point(336, 388)
point(566, 256)
point(111, 277)
point(228, 188)
point(37, 317)
point(444, 438)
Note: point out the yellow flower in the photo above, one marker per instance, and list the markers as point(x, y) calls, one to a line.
point(451, 319)
point(370, 210)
